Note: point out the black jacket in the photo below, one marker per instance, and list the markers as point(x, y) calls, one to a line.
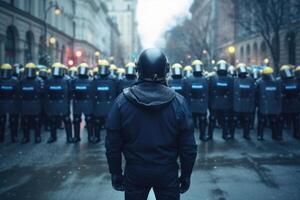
point(152, 126)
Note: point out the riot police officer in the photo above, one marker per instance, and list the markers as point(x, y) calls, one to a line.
point(130, 77)
point(57, 102)
point(30, 95)
point(269, 104)
point(290, 99)
point(151, 126)
point(243, 100)
point(81, 90)
point(104, 93)
point(221, 101)
point(8, 102)
point(198, 87)
point(176, 82)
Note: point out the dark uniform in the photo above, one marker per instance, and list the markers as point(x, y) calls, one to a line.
point(177, 83)
point(151, 126)
point(104, 93)
point(244, 100)
point(198, 96)
point(9, 104)
point(297, 75)
point(269, 104)
point(290, 99)
point(81, 91)
point(31, 106)
point(221, 101)
point(57, 102)
point(130, 77)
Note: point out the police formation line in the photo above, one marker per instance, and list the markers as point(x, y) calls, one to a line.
point(34, 96)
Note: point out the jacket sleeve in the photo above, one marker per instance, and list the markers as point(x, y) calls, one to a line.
point(113, 141)
point(187, 144)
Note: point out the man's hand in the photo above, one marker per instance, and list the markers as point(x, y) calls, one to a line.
point(117, 181)
point(184, 184)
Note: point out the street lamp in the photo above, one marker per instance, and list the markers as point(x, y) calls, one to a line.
point(266, 61)
point(97, 54)
point(52, 40)
point(231, 49)
point(78, 53)
point(47, 9)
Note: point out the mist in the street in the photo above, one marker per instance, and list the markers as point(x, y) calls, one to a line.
point(150, 99)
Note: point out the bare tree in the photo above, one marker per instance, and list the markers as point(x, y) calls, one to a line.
point(266, 17)
point(189, 40)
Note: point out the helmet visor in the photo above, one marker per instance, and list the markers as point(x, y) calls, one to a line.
point(286, 73)
point(57, 71)
point(30, 72)
point(198, 68)
point(130, 71)
point(103, 70)
point(176, 71)
point(82, 71)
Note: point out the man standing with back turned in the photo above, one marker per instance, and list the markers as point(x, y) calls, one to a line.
point(152, 126)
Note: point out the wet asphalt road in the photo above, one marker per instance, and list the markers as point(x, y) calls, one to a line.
point(235, 170)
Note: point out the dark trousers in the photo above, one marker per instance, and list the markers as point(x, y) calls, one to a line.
point(31, 121)
point(140, 179)
point(245, 120)
point(292, 119)
point(99, 122)
point(275, 126)
point(224, 117)
point(200, 119)
point(55, 121)
point(13, 125)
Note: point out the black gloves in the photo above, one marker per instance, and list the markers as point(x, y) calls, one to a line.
point(117, 181)
point(184, 184)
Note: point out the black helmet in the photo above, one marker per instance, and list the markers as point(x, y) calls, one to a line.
point(286, 72)
point(6, 71)
point(152, 65)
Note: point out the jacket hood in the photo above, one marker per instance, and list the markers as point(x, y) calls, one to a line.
point(150, 95)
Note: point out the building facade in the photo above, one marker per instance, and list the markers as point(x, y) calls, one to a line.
point(224, 32)
point(123, 13)
point(78, 29)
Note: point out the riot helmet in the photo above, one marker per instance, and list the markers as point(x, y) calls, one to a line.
point(130, 70)
point(286, 72)
point(43, 72)
point(6, 71)
point(30, 70)
point(198, 67)
point(120, 72)
point(176, 70)
point(17, 69)
point(267, 73)
point(72, 72)
point(242, 70)
point(58, 70)
point(222, 68)
point(83, 70)
point(103, 68)
point(113, 71)
point(187, 71)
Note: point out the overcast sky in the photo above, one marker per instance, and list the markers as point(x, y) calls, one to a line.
point(157, 16)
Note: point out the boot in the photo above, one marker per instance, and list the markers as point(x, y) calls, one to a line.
point(202, 129)
point(14, 131)
point(53, 135)
point(260, 132)
point(76, 132)
point(68, 127)
point(38, 133)
point(97, 133)
point(26, 138)
point(210, 132)
point(247, 133)
point(2, 129)
point(89, 127)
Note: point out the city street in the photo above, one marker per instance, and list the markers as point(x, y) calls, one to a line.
point(235, 170)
